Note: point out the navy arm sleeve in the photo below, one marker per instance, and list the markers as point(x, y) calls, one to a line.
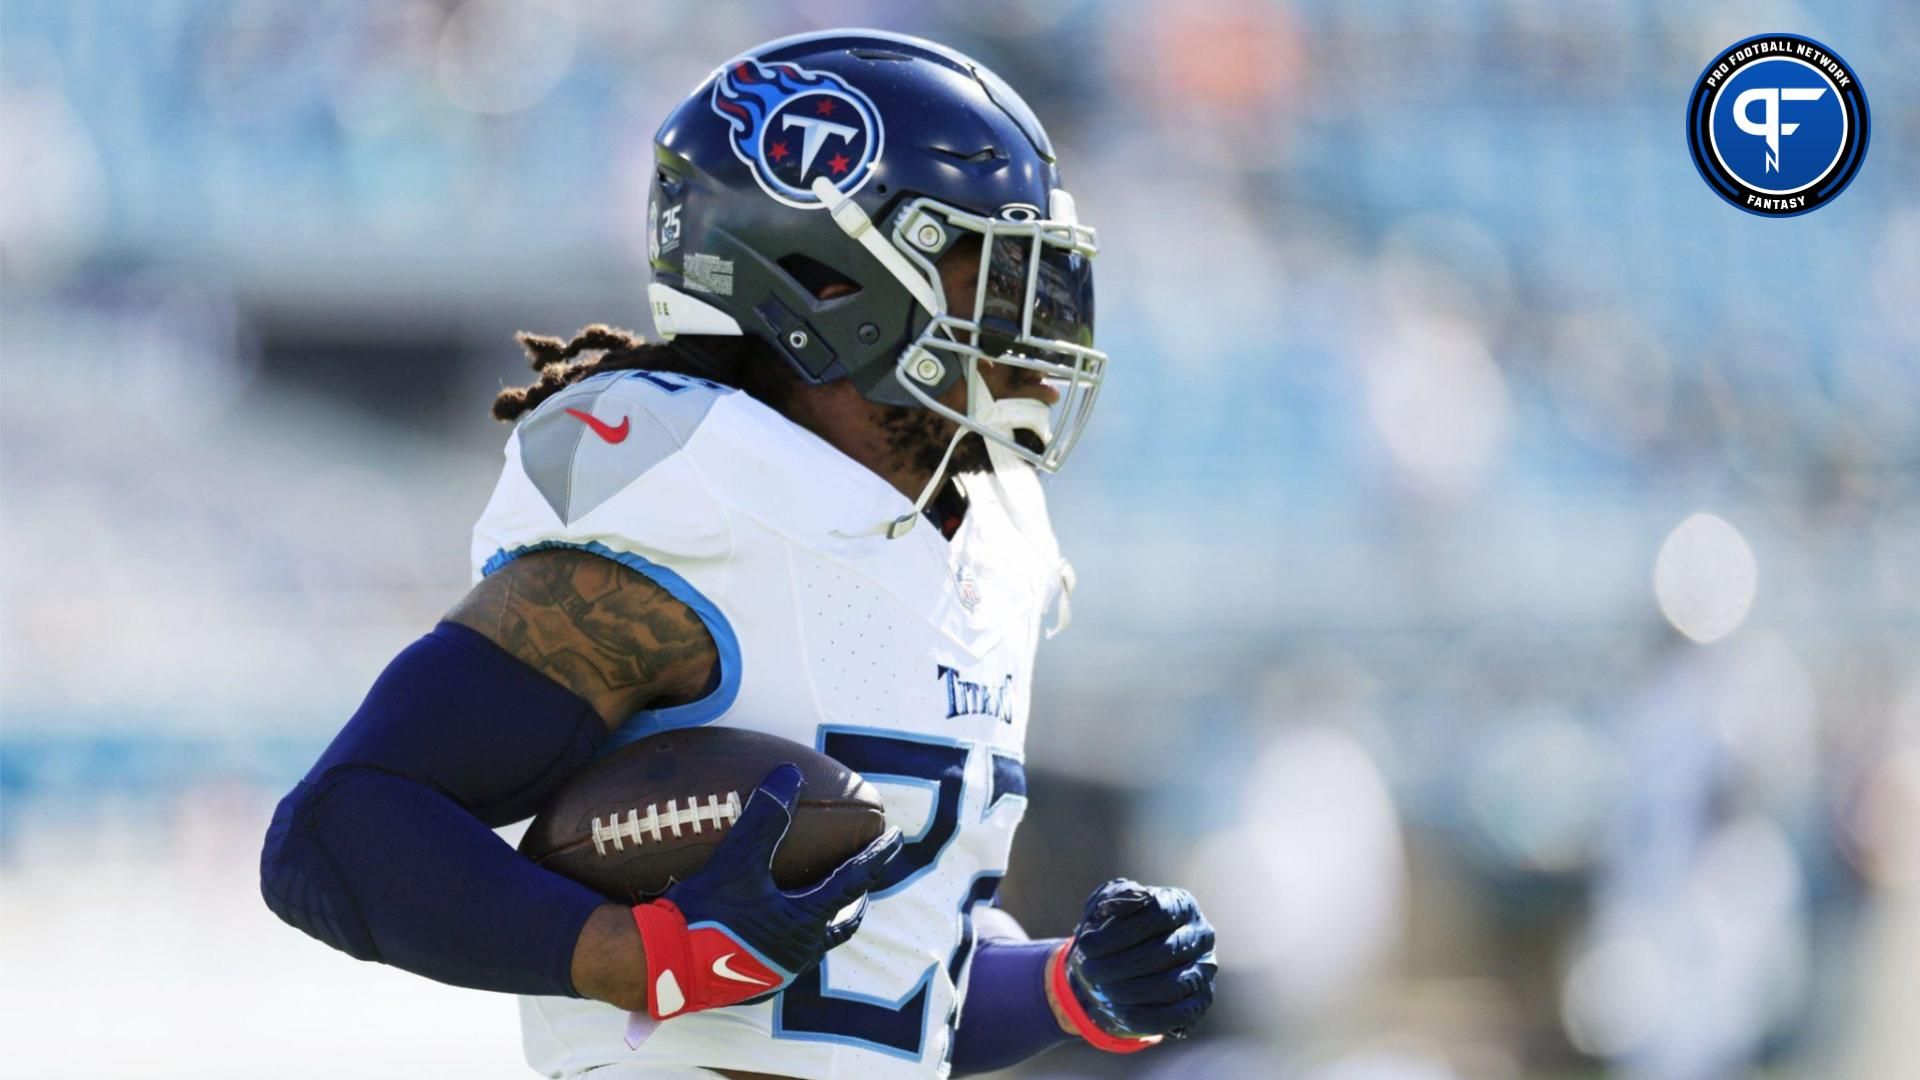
point(1005, 1019)
point(386, 849)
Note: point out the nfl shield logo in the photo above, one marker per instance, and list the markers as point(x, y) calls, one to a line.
point(969, 590)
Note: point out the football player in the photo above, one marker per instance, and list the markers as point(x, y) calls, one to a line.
point(811, 510)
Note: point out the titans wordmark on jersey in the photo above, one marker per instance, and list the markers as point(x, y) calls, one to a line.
point(910, 660)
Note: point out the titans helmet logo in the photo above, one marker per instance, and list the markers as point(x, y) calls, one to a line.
point(791, 125)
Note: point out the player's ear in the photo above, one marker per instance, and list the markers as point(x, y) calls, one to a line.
point(823, 281)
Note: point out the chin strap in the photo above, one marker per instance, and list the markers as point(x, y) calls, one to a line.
point(902, 525)
point(857, 225)
point(980, 406)
point(1016, 483)
point(1005, 417)
point(1009, 468)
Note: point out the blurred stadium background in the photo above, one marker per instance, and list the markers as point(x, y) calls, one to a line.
point(1499, 559)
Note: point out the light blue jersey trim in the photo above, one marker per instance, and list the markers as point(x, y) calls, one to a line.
point(694, 713)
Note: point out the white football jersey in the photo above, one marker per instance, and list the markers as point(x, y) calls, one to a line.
point(909, 660)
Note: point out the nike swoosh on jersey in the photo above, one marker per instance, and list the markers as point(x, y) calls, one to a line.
point(613, 433)
point(721, 968)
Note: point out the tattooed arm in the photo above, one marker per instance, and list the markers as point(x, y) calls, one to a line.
point(385, 850)
point(619, 641)
point(603, 631)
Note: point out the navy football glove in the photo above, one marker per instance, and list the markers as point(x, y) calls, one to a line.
point(728, 934)
point(1140, 966)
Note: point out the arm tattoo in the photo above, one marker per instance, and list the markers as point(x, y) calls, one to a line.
point(597, 628)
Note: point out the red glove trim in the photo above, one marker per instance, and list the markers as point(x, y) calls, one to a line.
point(1070, 1004)
point(694, 969)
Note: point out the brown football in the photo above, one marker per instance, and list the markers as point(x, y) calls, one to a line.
point(632, 822)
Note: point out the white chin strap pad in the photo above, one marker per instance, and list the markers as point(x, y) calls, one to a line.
point(1009, 415)
point(1017, 482)
point(1004, 416)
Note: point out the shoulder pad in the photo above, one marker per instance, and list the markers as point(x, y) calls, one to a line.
point(587, 442)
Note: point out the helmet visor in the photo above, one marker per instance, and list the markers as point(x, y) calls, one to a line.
point(1034, 291)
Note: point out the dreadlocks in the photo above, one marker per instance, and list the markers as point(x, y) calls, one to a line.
point(744, 363)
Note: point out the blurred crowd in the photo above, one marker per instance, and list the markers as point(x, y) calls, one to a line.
point(1499, 559)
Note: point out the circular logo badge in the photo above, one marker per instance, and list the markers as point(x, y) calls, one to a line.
point(792, 126)
point(1777, 125)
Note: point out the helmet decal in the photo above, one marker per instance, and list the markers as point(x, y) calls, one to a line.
point(791, 125)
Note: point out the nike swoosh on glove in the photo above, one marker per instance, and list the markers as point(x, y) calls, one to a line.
point(728, 934)
point(1140, 966)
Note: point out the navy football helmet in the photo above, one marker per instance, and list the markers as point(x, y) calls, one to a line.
point(862, 157)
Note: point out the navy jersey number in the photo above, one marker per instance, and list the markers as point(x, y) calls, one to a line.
point(673, 382)
point(808, 1009)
